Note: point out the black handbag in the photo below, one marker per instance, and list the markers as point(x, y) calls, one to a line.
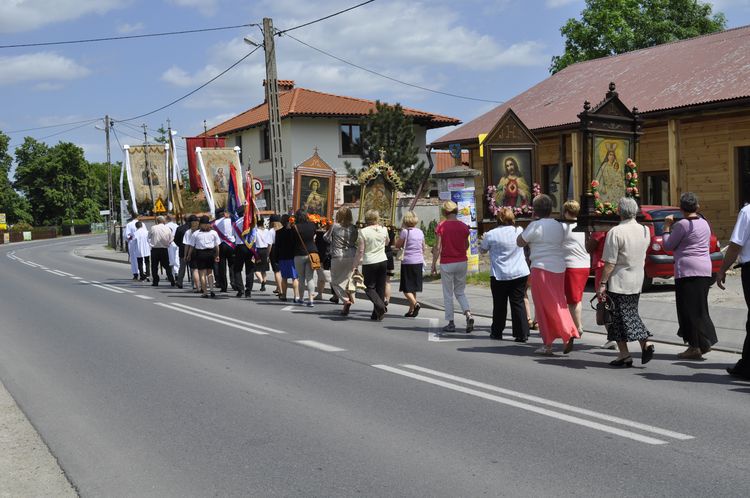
point(603, 310)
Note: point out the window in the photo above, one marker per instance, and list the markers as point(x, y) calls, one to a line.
point(570, 191)
point(743, 165)
point(265, 144)
point(238, 143)
point(552, 185)
point(655, 188)
point(351, 142)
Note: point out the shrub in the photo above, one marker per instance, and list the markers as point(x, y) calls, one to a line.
point(21, 227)
point(429, 233)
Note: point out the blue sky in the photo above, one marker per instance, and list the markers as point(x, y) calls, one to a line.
point(491, 49)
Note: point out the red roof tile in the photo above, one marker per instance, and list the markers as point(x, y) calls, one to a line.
point(300, 102)
point(699, 70)
point(444, 160)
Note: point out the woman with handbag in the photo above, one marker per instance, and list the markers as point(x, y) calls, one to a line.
point(305, 256)
point(371, 252)
point(690, 239)
point(342, 237)
point(411, 243)
point(510, 274)
point(544, 236)
point(622, 277)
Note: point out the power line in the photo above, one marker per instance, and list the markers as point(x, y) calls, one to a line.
point(193, 91)
point(69, 129)
point(324, 18)
point(124, 37)
point(391, 78)
point(91, 120)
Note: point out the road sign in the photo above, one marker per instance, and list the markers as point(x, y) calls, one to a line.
point(3, 222)
point(257, 186)
point(104, 212)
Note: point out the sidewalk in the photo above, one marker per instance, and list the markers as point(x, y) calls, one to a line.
point(657, 306)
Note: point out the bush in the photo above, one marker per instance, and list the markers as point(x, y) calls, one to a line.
point(429, 233)
point(21, 227)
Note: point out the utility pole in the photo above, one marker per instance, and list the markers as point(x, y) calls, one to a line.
point(279, 197)
point(107, 125)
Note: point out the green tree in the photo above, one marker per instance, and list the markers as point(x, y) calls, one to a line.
point(161, 135)
point(390, 129)
point(15, 207)
point(58, 182)
point(609, 27)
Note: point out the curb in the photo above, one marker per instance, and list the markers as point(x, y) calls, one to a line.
point(403, 302)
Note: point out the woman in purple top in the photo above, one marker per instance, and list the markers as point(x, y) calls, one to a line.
point(690, 239)
point(411, 239)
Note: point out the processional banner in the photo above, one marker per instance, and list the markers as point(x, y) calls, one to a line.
point(215, 167)
point(191, 143)
point(148, 179)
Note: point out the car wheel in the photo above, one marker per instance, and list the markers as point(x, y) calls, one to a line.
point(647, 283)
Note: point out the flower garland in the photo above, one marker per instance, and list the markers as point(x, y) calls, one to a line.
point(524, 210)
point(320, 222)
point(388, 173)
point(631, 189)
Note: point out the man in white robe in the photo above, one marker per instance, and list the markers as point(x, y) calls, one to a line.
point(174, 259)
point(129, 234)
point(142, 251)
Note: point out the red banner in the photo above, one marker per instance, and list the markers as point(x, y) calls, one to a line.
point(191, 143)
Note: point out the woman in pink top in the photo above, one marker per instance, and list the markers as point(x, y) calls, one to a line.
point(690, 239)
point(451, 246)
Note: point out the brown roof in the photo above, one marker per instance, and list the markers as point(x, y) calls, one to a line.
point(444, 160)
point(699, 70)
point(301, 102)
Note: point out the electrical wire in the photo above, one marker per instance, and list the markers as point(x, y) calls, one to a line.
point(194, 91)
point(390, 77)
point(151, 137)
point(91, 120)
point(125, 37)
point(324, 18)
point(69, 129)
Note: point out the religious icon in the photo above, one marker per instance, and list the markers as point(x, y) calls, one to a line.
point(512, 169)
point(314, 192)
point(610, 156)
point(149, 168)
point(379, 196)
point(220, 181)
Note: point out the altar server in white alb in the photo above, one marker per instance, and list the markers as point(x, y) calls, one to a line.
point(174, 258)
point(129, 235)
point(142, 250)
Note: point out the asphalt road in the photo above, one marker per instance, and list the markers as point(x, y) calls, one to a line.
point(142, 391)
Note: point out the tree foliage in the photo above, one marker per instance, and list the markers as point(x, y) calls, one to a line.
point(58, 182)
point(390, 129)
point(12, 203)
point(609, 27)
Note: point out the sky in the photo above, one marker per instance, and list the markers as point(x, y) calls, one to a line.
point(484, 49)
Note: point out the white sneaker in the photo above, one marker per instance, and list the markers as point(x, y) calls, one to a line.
point(545, 350)
point(609, 345)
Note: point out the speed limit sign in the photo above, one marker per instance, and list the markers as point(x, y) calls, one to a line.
point(257, 186)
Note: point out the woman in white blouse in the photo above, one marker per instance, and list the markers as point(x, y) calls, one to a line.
point(509, 275)
point(544, 236)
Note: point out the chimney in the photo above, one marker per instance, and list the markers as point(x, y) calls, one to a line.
point(284, 85)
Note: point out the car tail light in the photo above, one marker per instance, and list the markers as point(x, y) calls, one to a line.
point(656, 247)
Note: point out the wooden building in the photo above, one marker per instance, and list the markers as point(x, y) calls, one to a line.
point(691, 126)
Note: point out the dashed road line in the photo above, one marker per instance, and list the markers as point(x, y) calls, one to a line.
point(141, 296)
point(107, 289)
point(117, 288)
point(212, 319)
point(319, 345)
point(230, 319)
point(64, 273)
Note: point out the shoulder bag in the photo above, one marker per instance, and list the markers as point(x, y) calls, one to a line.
point(402, 251)
point(314, 257)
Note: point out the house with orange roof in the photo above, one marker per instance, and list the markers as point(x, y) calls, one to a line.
point(312, 120)
point(690, 104)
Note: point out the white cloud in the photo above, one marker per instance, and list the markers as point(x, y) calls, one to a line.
point(40, 66)
point(24, 15)
point(46, 86)
point(205, 7)
point(127, 28)
point(553, 4)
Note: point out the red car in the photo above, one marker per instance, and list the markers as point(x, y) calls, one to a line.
point(659, 262)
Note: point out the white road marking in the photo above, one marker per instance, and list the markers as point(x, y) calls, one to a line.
point(107, 288)
point(211, 319)
point(55, 273)
point(321, 346)
point(525, 406)
point(64, 273)
point(76, 278)
point(117, 288)
point(290, 307)
point(83, 282)
point(235, 320)
point(433, 334)
point(554, 404)
point(139, 296)
point(29, 264)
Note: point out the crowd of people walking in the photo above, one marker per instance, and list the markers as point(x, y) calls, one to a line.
point(549, 257)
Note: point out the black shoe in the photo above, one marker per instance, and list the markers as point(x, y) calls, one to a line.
point(263, 287)
point(155, 284)
point(622, 362)
point(173, 284)
point(520, 339)
point(135, 277)
point(409, 314)
point(212, 294)
point(334, 300)
point(568, 346)
point(239, 294)
point(740, 374)
point(417, 307)
point(179, 286)
point(469, 325)
point(223, 290)
point(647, 354)
point(496, 337)
point(248, 294)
